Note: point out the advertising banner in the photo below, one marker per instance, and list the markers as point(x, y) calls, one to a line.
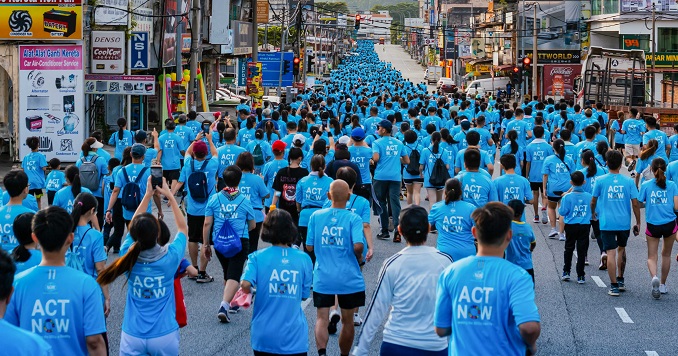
point(142, 16)
point(51, 99)
point(559, 80)
point(111, 12)
point(41, 20)
point(119, 84)
point(254, 88)
point(559, 31)
point(138, 50)
point(172, 25)
point(646, 5)
point(108, 52)
point(242, 37)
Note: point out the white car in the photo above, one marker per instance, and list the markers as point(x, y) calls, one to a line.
point(446, 81)
point(224, 96)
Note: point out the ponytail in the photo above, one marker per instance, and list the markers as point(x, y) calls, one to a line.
point(589, 159)
point(83, 203)
point(318, 165)
point(513, 137)
point(121, 127)
point(221, 127)
point(121, 266)
point(20, 254)
point(559, 148)
point(435, 139)
point(452, 190)
point(659, 169)
point(73, 176)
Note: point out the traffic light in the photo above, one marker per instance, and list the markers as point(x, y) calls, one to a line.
point(286, 66)
point(295, 68)
point(527, 62)
point(516, 75)
point(310, 60)
point(357, 22)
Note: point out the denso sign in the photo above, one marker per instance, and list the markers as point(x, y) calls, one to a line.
point(108, 52)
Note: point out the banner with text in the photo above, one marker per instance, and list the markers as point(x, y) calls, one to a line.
point(41, 20)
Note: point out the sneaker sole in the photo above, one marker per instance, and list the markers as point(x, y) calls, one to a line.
point(332, 326)
point(655, 289)
point(565, 279)
point(622, 288)
point(581, 282)
point(204, 280)
point(223, 318)
point(613, 294)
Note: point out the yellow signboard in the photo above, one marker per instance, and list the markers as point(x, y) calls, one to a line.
point(41, 20)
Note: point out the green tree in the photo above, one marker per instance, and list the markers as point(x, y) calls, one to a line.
point(332, 7)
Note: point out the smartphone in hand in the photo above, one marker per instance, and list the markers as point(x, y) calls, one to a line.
point(156, 176)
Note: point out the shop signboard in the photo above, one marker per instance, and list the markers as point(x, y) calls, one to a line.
point(51, 100)
point(41, 20)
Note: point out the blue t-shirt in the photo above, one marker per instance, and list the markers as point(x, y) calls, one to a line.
point(283, 277)
point(361, 155)
point(252, 186)
point(33, 164)
point(186, 134)
point(558, 172)
point(454, 224)
point(614, 193)
point(34, 260)
point(477, 188)
point(150, 310)
point(18, 342)
point(673, 142)
point(245, 135)
point(237, 209)
point(151, 154)
point(195, 126)
point(29, 201)
point(64, 198)
point(269, 172)
point(521, 127)
point(61, 304)
point(88, 245)
point(120, 144)
point(311, 194)
point(575, 207)
point(55, 180)
point(519, 155)
point(133, 170)
point(658, 201)
point(485, 160)
point(333, 233)
point(589, 182)
point(518, 250)
point(481, 299)
point(536, 153)
point(228, 154)
point(192, 165)
point(171, 146)
point(102, 166)
point(390, 151)
point(7, 215)
point(428, 160)
point(633, 130)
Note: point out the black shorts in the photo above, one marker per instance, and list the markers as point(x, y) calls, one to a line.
point(614, 239)
point(537, 186)
point(171, 175)
point(414, 180)
point(346, 301)
point(36, 192)
point(233, 266)
point(195, 223)
point(619, 146)
point(50, 196)
point(554, 199)
point(663, 230)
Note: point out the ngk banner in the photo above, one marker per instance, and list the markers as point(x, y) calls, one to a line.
point(108, 52)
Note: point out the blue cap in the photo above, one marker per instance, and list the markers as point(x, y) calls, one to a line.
point(138, 150)
point(358, 134)
point(386, 124)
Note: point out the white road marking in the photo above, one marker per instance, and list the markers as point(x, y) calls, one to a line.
point(651, 353)
point(306, 302)
point(575, 254)
point(624, 316)
point(599, 282)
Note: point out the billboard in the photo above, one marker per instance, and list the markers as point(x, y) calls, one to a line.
point(51, 99)
point(171, 25)
point(119, 84)
point(559, 80)
point(646, 5)
point(559, 32)
point(111, 12)
point(41, 20)
point(108, 52)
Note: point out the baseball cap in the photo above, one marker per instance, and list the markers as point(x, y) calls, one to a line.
point(300, 138)
point(465, 125)
point(138, 150)
point(386, 124)
point(279, 145)
point(96, 145)
point(413, 220)
point(358, 134)
point(200, 148)
point(140, 135)
point(344, 140)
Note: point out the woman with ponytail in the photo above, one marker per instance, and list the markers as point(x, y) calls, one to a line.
point(121, 139)
point(65, 196)
point(647, 155)
point(88, 243)
point(661, 200)
point(220, 141)
point(451, 218)
point(514, 148)
point(312, 194)
point(149, 325)
point(556, 173)
point(26, 255)
point(592, 169)
point(427, 161)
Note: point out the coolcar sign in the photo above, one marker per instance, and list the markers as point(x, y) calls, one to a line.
point(108, 52)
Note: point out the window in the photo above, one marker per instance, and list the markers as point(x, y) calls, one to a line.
point(610, 6)
point(667, 40)
point(596, 7)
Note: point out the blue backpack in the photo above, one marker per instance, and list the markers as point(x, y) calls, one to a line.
point(131, 192)
point(227, 241)
point(197, 182)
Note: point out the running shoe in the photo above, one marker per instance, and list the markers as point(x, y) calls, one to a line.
point(335, 317)
point(632, 165)
point(384, 235)
point(390, 224)
point(620, 282)
point(204, 278)
point(662, 289)
point(614, 291)
point(357, 320)
point(396, 238)
point(655, 288)
point(603, 262)
point(581, 279)
point(565, 277)
point(553, 234)
point(586, 261)
point(233, 309)
point(561, 236)
point(536, 219)
point(222, 315)
point(544, 216)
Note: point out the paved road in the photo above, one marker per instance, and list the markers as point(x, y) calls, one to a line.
point(576, 319)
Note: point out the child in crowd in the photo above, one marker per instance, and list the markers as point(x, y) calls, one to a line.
point(56, 179)
point(575, 208)
point(35, 165)
point(519, 250)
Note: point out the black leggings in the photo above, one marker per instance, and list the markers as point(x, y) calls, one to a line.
point(254, 238)
point(303, 232)
point(261, 353)
point(118, 227)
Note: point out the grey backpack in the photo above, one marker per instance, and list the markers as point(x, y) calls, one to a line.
point(89, 173)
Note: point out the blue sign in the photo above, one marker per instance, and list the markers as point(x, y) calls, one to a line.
point(270, 68)
point(242, 71)
point(138, 53)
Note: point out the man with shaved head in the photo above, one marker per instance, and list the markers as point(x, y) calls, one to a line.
point(335, 234)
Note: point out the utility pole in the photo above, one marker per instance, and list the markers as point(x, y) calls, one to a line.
point(177, 41)
point(195, 54)
point(283, 34)
point(654, 19)
point(534, 52)
point(255, 29)
point(518, 41)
